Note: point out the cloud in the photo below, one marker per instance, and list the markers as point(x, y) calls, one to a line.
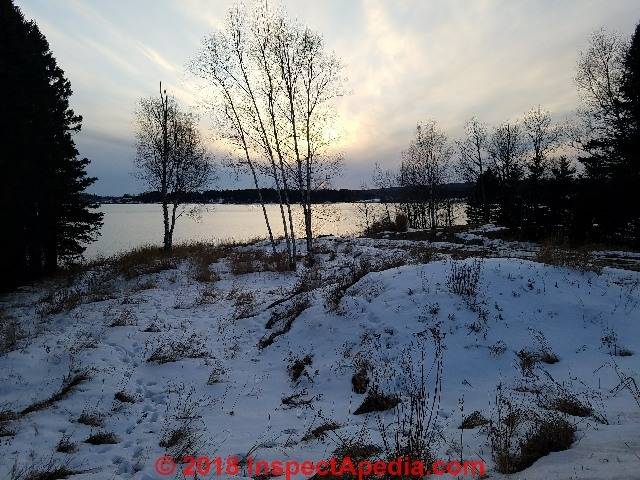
point(406, 61)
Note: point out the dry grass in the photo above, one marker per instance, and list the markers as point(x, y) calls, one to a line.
point(298, 367)
point(463, 278)
point(474, 420)
point(360, 378)
point(170, 350)
point(152, 259)
point(321, 431)
point(356, 450)
point(252, 261)
point(519, 437)
point(69, 383)
point(551, 434)
point(65, 445)
point(126, 318)
point(376, 401)
point(9, 333)
point(125, 397)
point(50, 471)
point(91, 419)
point(283, 319)
point(355, 272)
point(580, 260)
point(102, 438)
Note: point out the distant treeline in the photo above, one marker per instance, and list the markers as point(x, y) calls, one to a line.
point(270, 195)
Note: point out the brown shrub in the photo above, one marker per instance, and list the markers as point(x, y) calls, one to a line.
point(474, 420)
point(376, 401)
point(299, 367)
point(580, 260)
point(360, 379)
point(251, 261)
point(320, 431)
point(69, 383)
point(102, 438)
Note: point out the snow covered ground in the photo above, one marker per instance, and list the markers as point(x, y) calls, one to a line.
point(163, 358)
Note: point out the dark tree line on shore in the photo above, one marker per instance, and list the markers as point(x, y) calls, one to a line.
point(46, 217)
point(547, 198)
point(522, 172)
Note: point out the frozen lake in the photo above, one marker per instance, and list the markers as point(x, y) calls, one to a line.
point(130, 225)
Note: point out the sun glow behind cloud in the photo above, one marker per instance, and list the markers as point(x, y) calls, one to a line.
point(405, 61)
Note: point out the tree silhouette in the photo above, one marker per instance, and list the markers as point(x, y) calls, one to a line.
point(47, 217)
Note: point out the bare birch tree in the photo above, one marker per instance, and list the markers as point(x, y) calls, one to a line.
point(274, 82)
point(506, 150)
point(170, 156)
point(423, 170)
point(542, 137)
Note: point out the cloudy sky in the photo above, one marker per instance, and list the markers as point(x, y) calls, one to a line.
point(406, 60)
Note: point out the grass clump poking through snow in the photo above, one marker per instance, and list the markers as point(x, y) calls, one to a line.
point(69, 383)
point(252, 261)
point(413, 434)
point(512, 450)
point(102, 438)
point(360, 379)
point(168, 351)
point(355, 272)
point(184, 429)
point(91, 419)
point(377, 401)
point(65, 445)
point(51, 471)
point(9, 333)
point(282, 320)
point(474, 420)
point(356, 450)
point(463, 278)
point(321, 431)
point(579, 260)
point(298, 367)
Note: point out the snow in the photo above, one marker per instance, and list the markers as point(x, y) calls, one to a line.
point(384, 317)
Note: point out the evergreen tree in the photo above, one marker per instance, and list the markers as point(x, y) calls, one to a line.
point(631, 101)
point(47, 217)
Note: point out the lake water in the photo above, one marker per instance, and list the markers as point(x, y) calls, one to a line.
point(127, 226)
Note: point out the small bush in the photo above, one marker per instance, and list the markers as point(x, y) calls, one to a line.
point(527, 361)
point(69, 383)
point(356, 450)
point(103, 438)
point(251, 261)
point(299, 367)
point(360, 378)
point(65, 445)
point(125, 319)
point(552, 434)
point(463, 278)
point(579, 260)
point(401, 222)
point(125, 397)
point(474, 420)
point(320, 431)
point(91, 419)
point(376, 401)
point(175, 350)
